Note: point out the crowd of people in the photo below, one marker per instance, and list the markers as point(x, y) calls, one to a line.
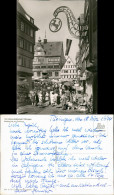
point(60, 95)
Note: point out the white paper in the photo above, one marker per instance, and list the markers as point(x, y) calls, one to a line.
point(56, 154)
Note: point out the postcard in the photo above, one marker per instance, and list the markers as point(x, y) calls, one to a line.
point(57, 57)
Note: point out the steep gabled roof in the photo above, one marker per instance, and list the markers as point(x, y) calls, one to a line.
point(69, 59)
point(27, 17)
point(52, 48)
point(21, 10)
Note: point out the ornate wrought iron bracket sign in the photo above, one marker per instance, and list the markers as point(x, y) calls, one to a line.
point(73, 24)
point(55, 25)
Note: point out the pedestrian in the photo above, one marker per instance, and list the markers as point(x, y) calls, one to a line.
point(58, 99)
point(55, 97)
point(52, 98)
point(40, 97)
point(47, 96)
point(33, 98)
point(63, 87)
point(60, 91)
point(70, 105)
point(51, 91)
point(63, 99)
point(74, 97)
point(36, 99)
point(43, 96)
point(71, 97)
point(67, 92)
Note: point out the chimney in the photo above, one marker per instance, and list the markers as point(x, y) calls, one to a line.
point(39, 40)
point(45, 40)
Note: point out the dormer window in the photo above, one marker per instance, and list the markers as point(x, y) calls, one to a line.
point(32, 20)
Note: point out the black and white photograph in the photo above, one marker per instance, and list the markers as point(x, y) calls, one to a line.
point(57, 57)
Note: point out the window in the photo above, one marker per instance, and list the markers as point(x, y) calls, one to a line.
point(18, 24)
point(30, 48)
point(31, 32)
point(56, 59)
point(50, 66)
point(25, 45)
point(50, 74)
point(35, 74)
point(56, 66)
point(38, 73)
point(49, 59)
point(65, 71)
point(40, 59)
point(38, 67)
point(27, 30)
point(35, 59)
point(22, 26)
point(20, 61)
point(43, 66)
point(21, 43)
point(35, 53)
point(30, 63)
point(32, 20)
point(56, 74)
point(53, 59)
point(25, 62)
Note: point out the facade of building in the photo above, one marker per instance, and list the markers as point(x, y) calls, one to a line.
point(86, 59)
point(25, 45)
point(69, 70)
point(48, 57)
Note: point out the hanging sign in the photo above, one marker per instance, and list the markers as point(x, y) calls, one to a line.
point(55, 25)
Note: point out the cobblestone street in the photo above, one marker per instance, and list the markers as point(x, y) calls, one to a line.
point(30, 109)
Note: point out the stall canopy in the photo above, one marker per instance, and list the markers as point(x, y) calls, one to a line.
point(68, 83)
